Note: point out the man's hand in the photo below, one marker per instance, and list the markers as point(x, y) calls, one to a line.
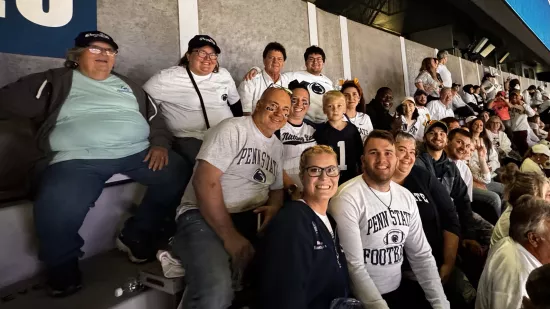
point(157, 157)
point(268, 213)
point(473, 246)
point(445, 272)
point(241, 252)
point(251, 74)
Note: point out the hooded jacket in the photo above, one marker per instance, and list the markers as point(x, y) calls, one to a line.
point(40, 96)
point(449, 175)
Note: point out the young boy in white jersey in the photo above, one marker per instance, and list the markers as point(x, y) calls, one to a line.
point(377, 221)
point(341, 135)
point(296, 136)
point(355, 107)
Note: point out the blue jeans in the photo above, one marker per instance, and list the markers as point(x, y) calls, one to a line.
point(208, 276)
point(68, 189)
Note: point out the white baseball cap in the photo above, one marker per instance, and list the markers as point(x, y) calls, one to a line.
point(541, 149)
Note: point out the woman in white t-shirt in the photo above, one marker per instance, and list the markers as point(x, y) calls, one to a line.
point(180, 103)
point(409, 119)
point(427, 78)
point(355, 107)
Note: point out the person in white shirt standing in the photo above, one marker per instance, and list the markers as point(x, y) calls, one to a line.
point(442, 108)
point(250, 91)
point(445, 74)
point(190, 111)
point(519, 112)
point(355, 107)
point(377, 221)
point(511, 260)
point(318, 84)
point(239, 173)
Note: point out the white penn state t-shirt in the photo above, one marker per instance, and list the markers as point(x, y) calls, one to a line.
point(251, 164)
point(318, 86)
point(179, 102)
point(295, 140)
point(363, 123)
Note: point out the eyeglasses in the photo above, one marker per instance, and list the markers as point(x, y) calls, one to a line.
point(202, 54)
point(96, 50)
point(316, 171)
point(318, 59)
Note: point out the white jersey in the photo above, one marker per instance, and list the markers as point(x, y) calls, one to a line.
point(375, 228)
point(363, 123)
point(179, 102)
point(295, 140)
point(502, 283)
point(318, 86)
point(251, 164)
point(416, 129)
point(250, 91)
point(438, 110)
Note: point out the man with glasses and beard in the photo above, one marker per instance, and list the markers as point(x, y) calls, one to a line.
point(377, 221)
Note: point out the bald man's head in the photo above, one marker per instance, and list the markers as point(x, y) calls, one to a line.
point(272, 110)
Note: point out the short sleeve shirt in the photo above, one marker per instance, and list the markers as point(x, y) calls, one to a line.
point(180, 104)
point(431, 86)
point(251, 164)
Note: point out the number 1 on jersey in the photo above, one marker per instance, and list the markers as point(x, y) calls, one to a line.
point(342, 149)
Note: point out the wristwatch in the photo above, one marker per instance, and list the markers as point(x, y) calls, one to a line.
point(292, 188)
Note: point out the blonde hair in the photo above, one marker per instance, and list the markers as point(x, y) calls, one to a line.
point(315, 150)
point(333, 95)
point(497, 120)
point(517, 183)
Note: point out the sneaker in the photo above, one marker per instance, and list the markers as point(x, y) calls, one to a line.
point(138, 252)
point(64, 279)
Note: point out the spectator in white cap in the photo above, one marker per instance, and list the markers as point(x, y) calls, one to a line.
point(250, 91)
point(409, 120)
point(442, 108)
point(511, 260)
point(536, 159)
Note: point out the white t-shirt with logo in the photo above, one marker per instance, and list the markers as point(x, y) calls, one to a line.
point(295, 140)
point(318, 86)
point(416, 129)
point(374, 237)
point(251, 164)
point(363, 123)
point(251, 91)
point(179, 102)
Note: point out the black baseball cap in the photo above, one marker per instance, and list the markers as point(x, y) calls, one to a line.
point(419, 92)
point(85, 38)
point(201, 40)
point(436, 124)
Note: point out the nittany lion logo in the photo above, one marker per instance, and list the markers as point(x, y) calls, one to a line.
point(394, 237)
point(224, 97)
point(317, 88)
point(259, 175)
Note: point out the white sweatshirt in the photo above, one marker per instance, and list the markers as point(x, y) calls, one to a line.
point(519, 119)
point(374, 237)
point(500, 141)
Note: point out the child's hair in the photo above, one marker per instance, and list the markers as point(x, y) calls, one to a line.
point(333, 95)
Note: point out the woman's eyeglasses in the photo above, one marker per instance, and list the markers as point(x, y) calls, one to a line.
point(96, 50)
point(316, 171)
point(202, 54)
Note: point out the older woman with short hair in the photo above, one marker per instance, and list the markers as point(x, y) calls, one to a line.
point(302, 263)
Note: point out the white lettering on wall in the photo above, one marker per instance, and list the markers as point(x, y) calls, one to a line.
point(59, 14)
point(3, 8)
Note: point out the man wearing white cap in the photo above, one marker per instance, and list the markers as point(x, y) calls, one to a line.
point(535, 162)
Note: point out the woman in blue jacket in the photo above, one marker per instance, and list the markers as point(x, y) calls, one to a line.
point(300, 259)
